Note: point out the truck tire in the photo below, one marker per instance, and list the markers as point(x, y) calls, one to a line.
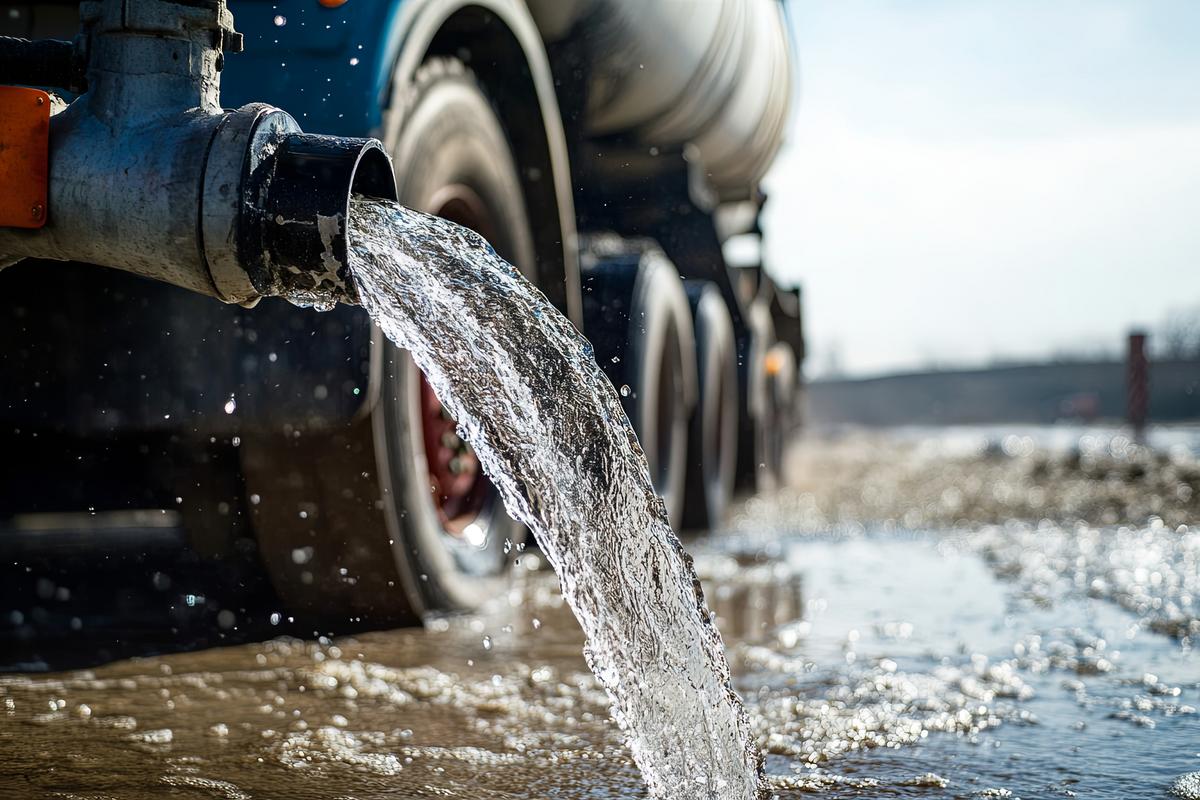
point(405, 511)
point(314, 505)
point(453, 160)
point(713, 434)
point(781, 376)
point(637, 319)
point(759, 424)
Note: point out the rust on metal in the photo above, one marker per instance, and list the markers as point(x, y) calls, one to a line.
point(24, 156)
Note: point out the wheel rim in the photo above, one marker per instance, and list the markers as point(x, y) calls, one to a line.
point(456, 480)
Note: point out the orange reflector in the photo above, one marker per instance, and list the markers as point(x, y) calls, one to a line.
point(773, 363)
point(24, 156)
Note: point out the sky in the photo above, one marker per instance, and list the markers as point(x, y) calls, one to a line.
point(969, 180)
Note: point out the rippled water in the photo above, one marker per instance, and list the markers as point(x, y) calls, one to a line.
point(918, 667)
point(1026, 596)
point(550, 431)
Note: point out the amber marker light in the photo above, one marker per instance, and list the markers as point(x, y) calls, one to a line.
point(773, 363)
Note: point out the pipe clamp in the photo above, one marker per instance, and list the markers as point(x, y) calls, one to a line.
point(24, 156)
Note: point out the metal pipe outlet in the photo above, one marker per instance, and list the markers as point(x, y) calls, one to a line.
point(147, 173)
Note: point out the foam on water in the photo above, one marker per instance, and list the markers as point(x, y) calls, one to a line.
point(550, 432)
point(1153, 571)
point(1187, 786)
point(880, 706)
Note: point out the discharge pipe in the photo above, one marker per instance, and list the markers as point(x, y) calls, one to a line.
point(147, 173)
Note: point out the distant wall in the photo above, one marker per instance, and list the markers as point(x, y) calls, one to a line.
point(1037, 393)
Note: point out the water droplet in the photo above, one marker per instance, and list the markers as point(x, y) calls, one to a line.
point(487, 643)
point(280, 20)
point(475, 535)
point(625, 390)
point(231, 405)
point(354, 62)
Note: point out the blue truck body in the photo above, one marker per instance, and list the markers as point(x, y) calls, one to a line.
point(330, 68)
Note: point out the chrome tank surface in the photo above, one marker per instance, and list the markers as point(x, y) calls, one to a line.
point(714, 75)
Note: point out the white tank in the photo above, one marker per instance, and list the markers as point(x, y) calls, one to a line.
point(713, 74)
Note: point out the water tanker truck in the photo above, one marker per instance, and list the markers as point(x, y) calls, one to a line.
point(610, 149)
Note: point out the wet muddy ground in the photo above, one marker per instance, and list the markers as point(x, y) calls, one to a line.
point(979, 613)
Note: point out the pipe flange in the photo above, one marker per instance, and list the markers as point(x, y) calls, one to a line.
point(230, 159)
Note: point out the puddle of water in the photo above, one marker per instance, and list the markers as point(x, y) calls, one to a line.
point(909, 638)
point(918, 667)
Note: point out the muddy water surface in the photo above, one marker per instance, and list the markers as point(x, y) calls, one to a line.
point(918, 634)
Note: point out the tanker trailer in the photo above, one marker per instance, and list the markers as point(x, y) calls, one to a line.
point(605, 148)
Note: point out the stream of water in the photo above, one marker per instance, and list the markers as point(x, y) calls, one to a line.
point(551, 434)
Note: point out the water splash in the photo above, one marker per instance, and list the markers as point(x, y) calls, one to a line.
point(550, 432)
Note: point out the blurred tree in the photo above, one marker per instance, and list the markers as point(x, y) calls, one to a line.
point(1179, 335)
